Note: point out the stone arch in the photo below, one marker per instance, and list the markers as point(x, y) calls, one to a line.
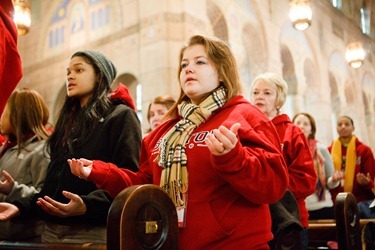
point(255, 49)
point(335, 99)
point(350, 92)
point(217, 19)
point(255, 60)
point(368, 92)
point(369, 105)
point(288, 70)
point(338, 75)
point(311, 94)
point(295, 49)
point(288, 73)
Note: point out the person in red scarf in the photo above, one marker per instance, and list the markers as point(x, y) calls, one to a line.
point(10, 61)
point(353, 161)
point(319, 204)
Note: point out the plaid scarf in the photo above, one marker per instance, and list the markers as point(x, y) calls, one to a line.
point(172, 156)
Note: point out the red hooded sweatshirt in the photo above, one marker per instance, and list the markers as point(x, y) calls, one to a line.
point(302, 175)
point(227, 194)
point(10, 61)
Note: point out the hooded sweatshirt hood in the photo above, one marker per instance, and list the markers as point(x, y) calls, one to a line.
point(122, 93)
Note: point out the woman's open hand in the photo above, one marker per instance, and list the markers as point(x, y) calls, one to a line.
point(75, 207)
point(222, 140)
point(80, 167)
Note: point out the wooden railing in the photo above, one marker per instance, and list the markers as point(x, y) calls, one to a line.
point(143, 217)
point(140, 217)
point(346, 229)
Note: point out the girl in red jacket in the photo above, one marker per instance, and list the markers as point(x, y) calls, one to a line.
point(224, 152)
point(268, 93)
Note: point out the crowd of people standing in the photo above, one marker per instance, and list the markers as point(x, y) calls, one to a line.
point(223, 160)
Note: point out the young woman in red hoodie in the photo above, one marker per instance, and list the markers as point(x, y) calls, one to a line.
point(227, 154)
point(268, 93)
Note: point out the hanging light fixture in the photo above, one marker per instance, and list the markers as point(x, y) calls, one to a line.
point(355, 54)
point(22, 16)
point(300, 14)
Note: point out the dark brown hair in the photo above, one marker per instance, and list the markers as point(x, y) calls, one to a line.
point(347, 117)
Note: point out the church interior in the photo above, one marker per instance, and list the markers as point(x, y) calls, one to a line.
point(327, 58)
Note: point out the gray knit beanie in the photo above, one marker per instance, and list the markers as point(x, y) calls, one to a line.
point(103, 63)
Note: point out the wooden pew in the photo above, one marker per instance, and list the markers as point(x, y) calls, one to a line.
point(50, 246)
point(140, 217)
point(347, 222)
point(346, 229)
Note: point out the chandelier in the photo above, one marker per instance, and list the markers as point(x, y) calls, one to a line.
point(355, 54)
point(22, 16)
point(300, 14)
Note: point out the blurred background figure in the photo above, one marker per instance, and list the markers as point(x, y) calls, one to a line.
point(353, 162)
point(157, 110)
point(23, 158)
point(319, 204)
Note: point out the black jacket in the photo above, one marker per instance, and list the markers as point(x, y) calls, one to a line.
point(116, 139)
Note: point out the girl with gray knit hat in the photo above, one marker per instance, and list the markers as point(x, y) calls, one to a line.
point(93, 123)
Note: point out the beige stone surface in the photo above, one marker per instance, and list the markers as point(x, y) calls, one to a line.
point(143, 38)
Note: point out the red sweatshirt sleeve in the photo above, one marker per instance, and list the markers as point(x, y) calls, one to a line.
point(367, 163)
point(10, 61)
point(255, 168)
point(302, 176)
point(109, 177)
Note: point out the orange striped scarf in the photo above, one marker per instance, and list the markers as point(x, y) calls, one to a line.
point(351, 157)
